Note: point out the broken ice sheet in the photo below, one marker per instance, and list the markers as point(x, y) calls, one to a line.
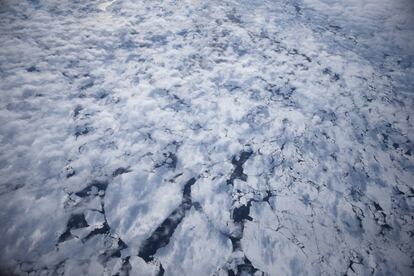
point(293, 118)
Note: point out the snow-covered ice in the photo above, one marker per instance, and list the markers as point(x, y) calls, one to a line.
point(193, 137)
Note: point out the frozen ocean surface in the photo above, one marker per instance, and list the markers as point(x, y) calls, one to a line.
point(268, 137)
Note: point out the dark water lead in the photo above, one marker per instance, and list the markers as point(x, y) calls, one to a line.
point(161, 236)
point(75, 221)
point(238, 163)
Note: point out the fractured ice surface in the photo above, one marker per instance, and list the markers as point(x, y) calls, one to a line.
point(206, 137)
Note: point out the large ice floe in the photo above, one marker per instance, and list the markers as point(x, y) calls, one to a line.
point(207, 137)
